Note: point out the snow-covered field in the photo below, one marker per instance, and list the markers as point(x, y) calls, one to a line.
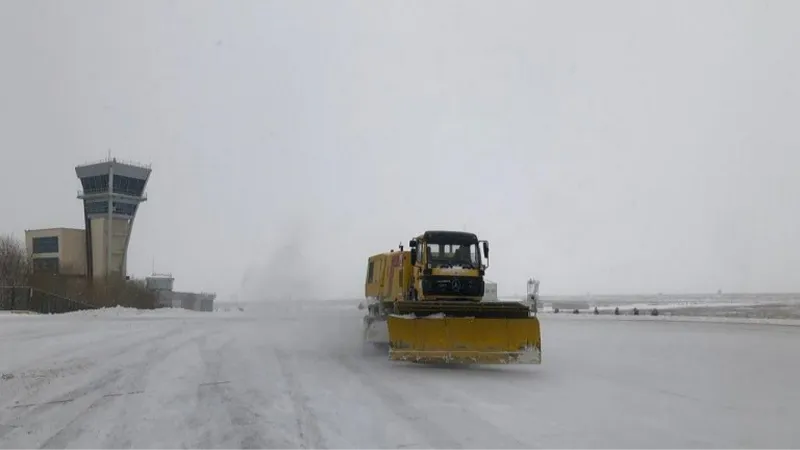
point(761, 306)
point(294, 375)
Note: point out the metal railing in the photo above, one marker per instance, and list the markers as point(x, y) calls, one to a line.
point(122, 192)
point(117, 160)
point(25, 298)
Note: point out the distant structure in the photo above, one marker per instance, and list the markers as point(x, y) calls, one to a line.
point(160, 282)
point(162, 285)
point(111, 194)
point(489, 291)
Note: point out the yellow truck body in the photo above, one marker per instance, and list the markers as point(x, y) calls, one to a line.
point(428, 298)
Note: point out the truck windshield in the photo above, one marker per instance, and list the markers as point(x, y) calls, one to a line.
point(453, 255)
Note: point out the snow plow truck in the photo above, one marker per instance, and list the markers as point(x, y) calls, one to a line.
point(425, 303)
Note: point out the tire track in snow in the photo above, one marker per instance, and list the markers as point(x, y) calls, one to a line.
point(471, 405)
point(34, 419)
point(307, 428)
point(397, 403)
point(35, 408)
point(428, 424)
point(79, 357)
point(131, 373)
point(129, 411)
point(89, 398)
point(219, 394)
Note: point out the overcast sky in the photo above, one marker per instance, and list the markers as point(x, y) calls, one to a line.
point(604, 147)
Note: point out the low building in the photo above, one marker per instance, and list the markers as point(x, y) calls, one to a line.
point(194, 301)
point(162, 284)
point(59, 251)
point(159, 282)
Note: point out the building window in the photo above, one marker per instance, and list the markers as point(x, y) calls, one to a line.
point(97, 207)
point(48, 244)
point(127, 209)
point(92, 185)
point(128, 185)
point(101, 207)
point(45, 265)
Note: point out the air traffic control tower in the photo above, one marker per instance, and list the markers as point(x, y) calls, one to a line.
point(112, 192)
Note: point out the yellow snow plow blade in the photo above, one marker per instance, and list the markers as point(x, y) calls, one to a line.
point(464, 340)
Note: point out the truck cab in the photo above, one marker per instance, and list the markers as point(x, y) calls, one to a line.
point(447, 266)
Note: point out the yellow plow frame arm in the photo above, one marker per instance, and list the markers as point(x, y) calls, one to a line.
point(464, 333)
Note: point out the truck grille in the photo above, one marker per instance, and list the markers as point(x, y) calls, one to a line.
point(450, 285)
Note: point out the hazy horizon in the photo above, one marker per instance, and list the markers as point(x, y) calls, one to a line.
point(612, 147)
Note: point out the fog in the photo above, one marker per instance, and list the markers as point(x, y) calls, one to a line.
point(604, 147)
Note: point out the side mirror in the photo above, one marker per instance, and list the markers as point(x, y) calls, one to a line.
point(413, 256)
point(412, 244)
point(486, 249)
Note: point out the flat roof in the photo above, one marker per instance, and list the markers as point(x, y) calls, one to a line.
point(124, 168)
point(116, 161)
point(55, 229)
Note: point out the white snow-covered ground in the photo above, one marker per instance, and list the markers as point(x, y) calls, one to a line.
point(294, 375)
point(688, 304)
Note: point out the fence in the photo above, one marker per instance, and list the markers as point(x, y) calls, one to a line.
point(100, 293)
point(24, 298)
